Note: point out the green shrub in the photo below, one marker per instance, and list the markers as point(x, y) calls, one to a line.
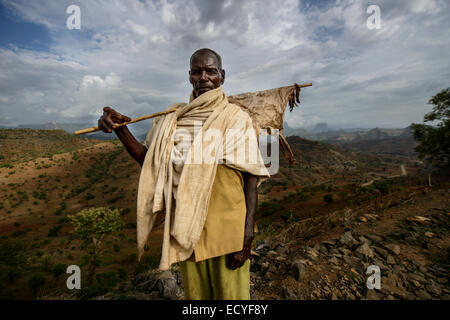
point(290, 216)
point(328, 198)
point(58, 270)
point(35, 283)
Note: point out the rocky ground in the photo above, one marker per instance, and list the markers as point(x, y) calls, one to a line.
point(411, 250)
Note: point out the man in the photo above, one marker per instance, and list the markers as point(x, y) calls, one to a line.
point(209, 207)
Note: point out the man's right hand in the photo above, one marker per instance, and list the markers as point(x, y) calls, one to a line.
point(110, 117)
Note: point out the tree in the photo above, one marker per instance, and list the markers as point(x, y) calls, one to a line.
point(91, 226)
point(434, 141)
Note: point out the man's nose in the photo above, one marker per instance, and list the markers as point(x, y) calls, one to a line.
point(203, 76)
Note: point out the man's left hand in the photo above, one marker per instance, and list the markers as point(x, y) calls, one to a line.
point(237, 259)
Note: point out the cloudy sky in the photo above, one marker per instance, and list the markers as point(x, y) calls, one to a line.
point(134, 55)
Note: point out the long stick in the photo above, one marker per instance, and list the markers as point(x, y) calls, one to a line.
point(93, 129)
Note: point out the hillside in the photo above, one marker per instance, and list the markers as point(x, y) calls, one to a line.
point(21, 145)
point(38, 191)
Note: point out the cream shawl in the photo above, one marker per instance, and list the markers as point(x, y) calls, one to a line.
point(184, 222)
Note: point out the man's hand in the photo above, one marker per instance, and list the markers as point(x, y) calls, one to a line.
point(107, 123)
point(110, 117)
point(237, 259)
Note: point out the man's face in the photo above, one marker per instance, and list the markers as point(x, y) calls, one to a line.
point(205, 74)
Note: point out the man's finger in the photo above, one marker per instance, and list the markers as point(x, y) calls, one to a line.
point(107, 109)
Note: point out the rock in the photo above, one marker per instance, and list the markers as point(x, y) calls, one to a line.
point(333, 296)
point(434, 289)
point(371, 217)
point(429, 234)
point(419, 220)
point(345, 251)
point(347, 239)
point(363, 219)
point(333, 260)
point(395, 249)
point(423, 295)
point(137, 296)
point(354, 263)
point(282, 249)
point(323, 249)
point(383, 253)
point(264, 268)
point(365, 252)
point(417, 277)
point(167, 286)
point(254, 253)
point(372, 295)
point(390, 260)
point(288, 294)
point(380, 264)
point(298, 270)
point(374, 237)
point(312, 253)
point(363, 239)
point(262, 245)
point(329, 243)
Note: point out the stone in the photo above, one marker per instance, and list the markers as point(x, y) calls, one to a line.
point(262, 245)
point(374, 237)
point(423, 295)
point(390, 259)
point(434, 289)
point(288, 294)
point(363, 239)
point(383, 253)
point(429, 234)
point(395, 249)
point(328, 243)
point(347, 239)
point(371, 294)
point(312, 253)
point(419, 220)
point(167, 286)
point(365, 252)
point(345, 251)
point(323, 249)
point(333, 260)
point(298, 270)
point(417, 277)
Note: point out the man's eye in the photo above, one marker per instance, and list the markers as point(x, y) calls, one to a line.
point(212, 71)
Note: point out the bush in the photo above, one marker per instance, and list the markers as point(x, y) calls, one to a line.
point(328, 198)
point(290, 216)
point(58, 270)
point(54, 231)
point(35, 283)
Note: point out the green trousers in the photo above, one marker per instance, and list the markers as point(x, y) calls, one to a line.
point(211, 280)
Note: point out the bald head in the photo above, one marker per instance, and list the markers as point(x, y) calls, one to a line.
point(206, 71)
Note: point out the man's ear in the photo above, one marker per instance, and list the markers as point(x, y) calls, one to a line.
point(190, 80)
point(223, 75)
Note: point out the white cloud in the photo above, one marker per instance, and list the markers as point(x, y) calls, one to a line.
point(134, 55)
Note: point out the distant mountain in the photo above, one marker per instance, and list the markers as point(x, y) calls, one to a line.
point(138, 130)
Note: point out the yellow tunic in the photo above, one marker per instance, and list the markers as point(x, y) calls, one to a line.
point(223, 231)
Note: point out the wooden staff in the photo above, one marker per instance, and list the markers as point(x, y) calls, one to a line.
point(93, 129)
